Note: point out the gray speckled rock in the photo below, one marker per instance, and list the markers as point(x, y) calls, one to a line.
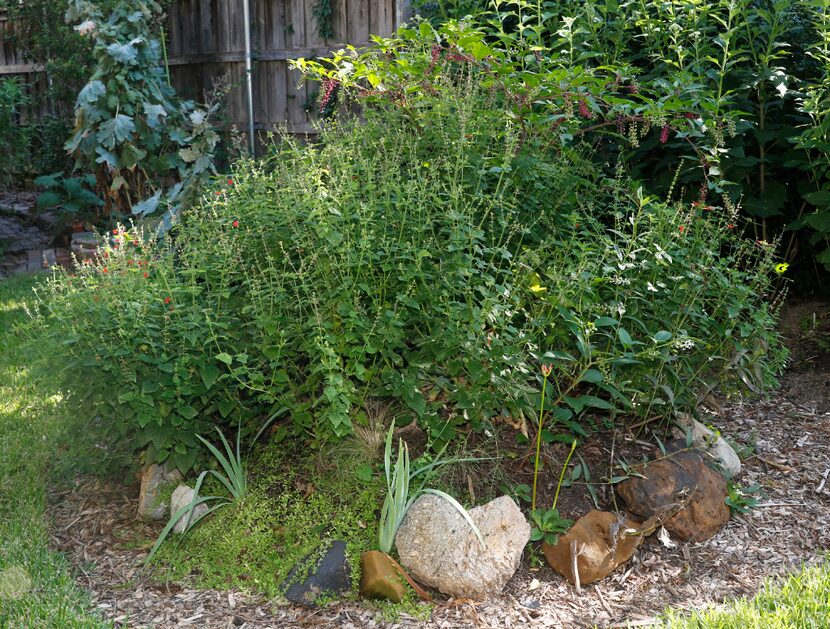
point(181, 498)
point(439, 549)
point(712, 444)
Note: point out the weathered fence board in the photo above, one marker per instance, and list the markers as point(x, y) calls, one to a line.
point(206, 43)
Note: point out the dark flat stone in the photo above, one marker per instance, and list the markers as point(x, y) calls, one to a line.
point(328, 575)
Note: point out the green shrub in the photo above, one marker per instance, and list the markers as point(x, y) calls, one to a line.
point(13, 137)
point(739, 68)
point(135, 338)
point(432, 254)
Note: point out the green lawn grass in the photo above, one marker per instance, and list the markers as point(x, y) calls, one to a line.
point(801, 601)
point(36, 585)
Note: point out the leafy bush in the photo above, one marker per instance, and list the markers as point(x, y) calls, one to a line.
point(44, 37)
point(432, 254)
point(133, 332)
point(72, 197)
point(47, 137)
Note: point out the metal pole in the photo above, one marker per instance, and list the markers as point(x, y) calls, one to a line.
point(249, 83)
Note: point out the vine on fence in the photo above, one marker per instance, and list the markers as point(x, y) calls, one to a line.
point(323, 13)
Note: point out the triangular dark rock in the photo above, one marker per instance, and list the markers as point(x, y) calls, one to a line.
point(310, 579)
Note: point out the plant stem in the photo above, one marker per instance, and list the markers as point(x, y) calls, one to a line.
point(538, 445)
point(562, 474)
point(164, 54)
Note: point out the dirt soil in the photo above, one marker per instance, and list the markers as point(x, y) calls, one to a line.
point(789, 437)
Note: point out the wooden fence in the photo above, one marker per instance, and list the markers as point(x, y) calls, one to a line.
point(14, 63)
point(205, 42)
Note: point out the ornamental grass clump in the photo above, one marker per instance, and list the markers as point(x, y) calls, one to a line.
point(399, 498)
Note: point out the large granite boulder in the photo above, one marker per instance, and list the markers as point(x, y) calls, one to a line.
point(602, 541)
point(438, 548)
point(682, 491)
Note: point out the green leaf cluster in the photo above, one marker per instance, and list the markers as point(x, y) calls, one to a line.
point(130, 127)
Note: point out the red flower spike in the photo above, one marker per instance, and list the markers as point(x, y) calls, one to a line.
point(235, 223)
point(167, 300)
point(230, 182)
point(664, 134)
point(146, 275)
point(105, 270)
point(682, 229)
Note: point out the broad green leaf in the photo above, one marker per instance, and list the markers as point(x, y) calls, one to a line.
point(91, 92)
point(210, 374)
point(154, 113)
point(124, 53)
point(148, 205)
point(662, 336)
point(593, 376)
point(115, 131)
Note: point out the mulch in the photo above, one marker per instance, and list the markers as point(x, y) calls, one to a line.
point(94, 524)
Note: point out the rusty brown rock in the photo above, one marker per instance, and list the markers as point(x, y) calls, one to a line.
point(379, 579)
point(682, 491)
point(601, 543)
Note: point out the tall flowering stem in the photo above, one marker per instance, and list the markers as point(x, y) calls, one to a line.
point(546, 369)
point(562, 475)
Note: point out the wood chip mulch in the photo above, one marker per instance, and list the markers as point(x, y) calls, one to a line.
point(94, 524)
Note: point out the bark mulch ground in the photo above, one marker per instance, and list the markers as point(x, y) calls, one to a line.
point(789, 432)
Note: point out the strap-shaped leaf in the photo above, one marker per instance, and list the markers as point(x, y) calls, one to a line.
point(464, 513)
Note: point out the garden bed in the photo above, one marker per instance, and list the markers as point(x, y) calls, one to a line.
point(789, 433)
